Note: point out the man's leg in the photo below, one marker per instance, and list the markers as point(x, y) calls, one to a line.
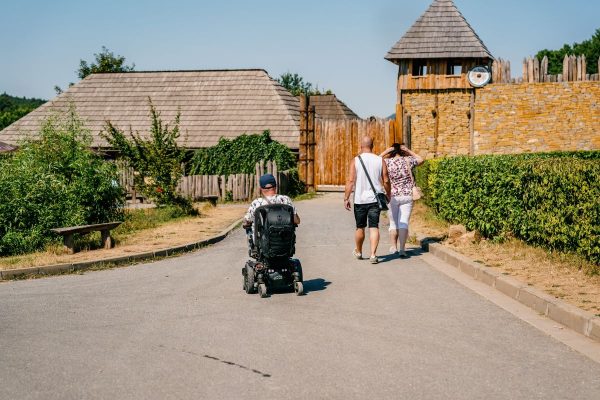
point(359, 238)
point(374, 239)
point(373, 217)
point(360, 215)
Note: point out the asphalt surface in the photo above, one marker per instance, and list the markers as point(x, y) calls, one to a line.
point(183, 328)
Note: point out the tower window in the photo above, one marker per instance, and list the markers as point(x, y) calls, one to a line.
point(454, 68)
point(419, 68)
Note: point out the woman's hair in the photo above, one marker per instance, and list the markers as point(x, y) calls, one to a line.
point(396, 151)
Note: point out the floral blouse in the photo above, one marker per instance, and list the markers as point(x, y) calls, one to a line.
point(400, 172)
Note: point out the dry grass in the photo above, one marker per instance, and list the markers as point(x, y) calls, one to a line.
point(560, 275)
point(179, 231)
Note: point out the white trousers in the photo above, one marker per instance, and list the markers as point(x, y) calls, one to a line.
point(400, 208)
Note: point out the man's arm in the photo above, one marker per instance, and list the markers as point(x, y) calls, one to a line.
point(249, 216)
point(350, 185)
point(385, 177)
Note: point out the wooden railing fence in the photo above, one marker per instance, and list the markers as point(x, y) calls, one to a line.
point(535, 70)
point(236, 187)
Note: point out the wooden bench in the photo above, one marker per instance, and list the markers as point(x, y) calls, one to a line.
point(68, 232)
point(211, 199)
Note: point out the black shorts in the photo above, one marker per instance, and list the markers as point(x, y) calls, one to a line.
point(367, 212)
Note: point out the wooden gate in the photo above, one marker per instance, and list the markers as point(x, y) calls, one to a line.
point(337, 142)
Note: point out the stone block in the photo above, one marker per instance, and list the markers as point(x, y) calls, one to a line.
point(535, 299)
point(594, 331)
point(509, 285)
point(569, 316)
point(487, 275)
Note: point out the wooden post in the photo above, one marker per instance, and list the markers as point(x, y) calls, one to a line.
point(565, 74)
point(69, 244)
point(436, 122)
point(472, 124)
point(398, 135)
point(303, 142)
point(310, 136)
point(544, 69)
point(536, 69)
point(106, 239)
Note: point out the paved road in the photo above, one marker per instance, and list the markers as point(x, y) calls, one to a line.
point(183, 329)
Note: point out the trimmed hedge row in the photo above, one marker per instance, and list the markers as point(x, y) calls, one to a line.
point(546, 199)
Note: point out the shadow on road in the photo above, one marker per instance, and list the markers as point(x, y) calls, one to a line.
point(315, 285)
point(410, 253)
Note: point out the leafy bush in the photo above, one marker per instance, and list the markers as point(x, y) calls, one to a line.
point(548, 199)
point(53, 182)
point(157, 160)
point(240, 155)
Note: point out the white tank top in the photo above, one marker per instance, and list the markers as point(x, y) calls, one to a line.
point(363, 194)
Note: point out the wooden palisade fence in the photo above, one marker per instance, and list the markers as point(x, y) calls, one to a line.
point(236, 187)
point(535, 70)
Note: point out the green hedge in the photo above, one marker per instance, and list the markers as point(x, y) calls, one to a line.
point(546, 199)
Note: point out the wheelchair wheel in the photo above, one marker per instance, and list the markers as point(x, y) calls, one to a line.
point(249, 281)
point(262, 290)
point(298, 288)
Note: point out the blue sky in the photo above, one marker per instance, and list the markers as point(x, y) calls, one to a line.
point(336, 44)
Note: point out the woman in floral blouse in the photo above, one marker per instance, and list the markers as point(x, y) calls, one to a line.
point(400, 161)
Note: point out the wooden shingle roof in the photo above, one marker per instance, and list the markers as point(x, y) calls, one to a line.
point(328, 106)
point(213, 104)
point(5, 147)
point(441, 32)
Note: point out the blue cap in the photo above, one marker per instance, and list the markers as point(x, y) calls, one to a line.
point(266, 180)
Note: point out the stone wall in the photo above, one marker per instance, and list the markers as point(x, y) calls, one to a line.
point(508, 118)
point(534, 117)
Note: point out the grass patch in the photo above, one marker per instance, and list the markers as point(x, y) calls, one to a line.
point(138, 220)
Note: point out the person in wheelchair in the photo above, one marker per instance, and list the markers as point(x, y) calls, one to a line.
point(268, 189)
point(270, 225)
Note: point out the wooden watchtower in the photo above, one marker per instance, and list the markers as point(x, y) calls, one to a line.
point(436, 54)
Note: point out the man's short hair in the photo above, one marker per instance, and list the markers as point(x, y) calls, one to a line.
point(267, 181)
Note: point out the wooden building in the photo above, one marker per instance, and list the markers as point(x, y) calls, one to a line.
point(328, 106)
point(213, 104)
point(438, 50)
point(435, 106)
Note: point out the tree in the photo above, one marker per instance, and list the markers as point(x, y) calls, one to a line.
point(590, 48)
point(13, 108)
point(295, 84)
point(157, 161)
point(106, 61)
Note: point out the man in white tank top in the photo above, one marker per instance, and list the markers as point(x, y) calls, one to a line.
point(366, 210)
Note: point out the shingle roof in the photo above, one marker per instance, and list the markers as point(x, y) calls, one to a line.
point(441, 32)
point(212, 103)
point(5, 148)
point(328, 106)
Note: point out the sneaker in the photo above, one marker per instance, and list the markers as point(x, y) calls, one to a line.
point(403, 254)
point(393, 250)
point(374, 260)
point(357, 255)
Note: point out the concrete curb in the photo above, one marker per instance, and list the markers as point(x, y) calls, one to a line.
point(557, 310)
point(114, 261)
